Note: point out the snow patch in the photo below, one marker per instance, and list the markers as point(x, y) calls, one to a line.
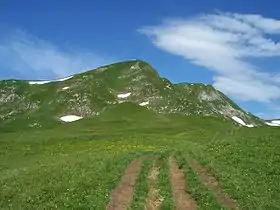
point(144, 103)
point(48, 81)
point(276, 122)
point(63, 79)
point(240, 121)
point(272, 124)
point(70, 118)
point(38, 82)
point(65, 88)
point(250, 125)
point(124, 95)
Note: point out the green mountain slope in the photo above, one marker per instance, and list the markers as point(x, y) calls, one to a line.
point(23, 103)
point(130, 112)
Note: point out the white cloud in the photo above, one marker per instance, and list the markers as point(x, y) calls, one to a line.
point(28, 57)
point(267, 25)
point(254, 90)
point(224, 43)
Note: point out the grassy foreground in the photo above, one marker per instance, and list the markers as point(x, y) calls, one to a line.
point(75, 166)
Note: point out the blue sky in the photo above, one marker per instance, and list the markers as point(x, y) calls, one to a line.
point(230, 44)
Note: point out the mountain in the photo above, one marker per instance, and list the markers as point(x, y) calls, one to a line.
point(43, 103)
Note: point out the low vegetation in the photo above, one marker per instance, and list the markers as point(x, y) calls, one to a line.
point(78, 165)
point(49, 164)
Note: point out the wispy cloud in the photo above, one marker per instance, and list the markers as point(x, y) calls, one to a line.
point(224, 43)
point(25, 56)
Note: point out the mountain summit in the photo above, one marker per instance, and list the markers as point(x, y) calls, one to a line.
point(93, 92)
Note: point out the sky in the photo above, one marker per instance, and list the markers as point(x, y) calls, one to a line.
point(233, 45)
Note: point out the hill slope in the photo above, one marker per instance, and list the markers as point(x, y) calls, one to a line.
point(41, 103)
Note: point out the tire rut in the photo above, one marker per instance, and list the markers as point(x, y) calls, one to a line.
point(210, 182)
point(122, 195)
point(181, 198)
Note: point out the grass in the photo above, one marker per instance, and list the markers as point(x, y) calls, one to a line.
point(76, 165)
point(47, 164)
point(164, 183)
point(204, 197)
point(245, 163)
point(72, 176)
point(142, 186)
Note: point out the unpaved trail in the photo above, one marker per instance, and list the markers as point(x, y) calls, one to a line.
point(122, 195)
point(154, 199)
point(210, 182)
point(181, 198)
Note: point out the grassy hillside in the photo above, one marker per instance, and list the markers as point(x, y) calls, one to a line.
point(91, 93)
point(143, 142)
point(77, 165)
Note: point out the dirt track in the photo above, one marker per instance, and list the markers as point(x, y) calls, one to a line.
point(210, 182)
point(122, 195)
point(182, 200)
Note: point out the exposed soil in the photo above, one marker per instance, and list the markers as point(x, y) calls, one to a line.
point(122, 195)
point(154, 200)
point(210, 182)
point(181, 198)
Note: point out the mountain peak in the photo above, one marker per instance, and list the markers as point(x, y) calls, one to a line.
point(92, 93)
